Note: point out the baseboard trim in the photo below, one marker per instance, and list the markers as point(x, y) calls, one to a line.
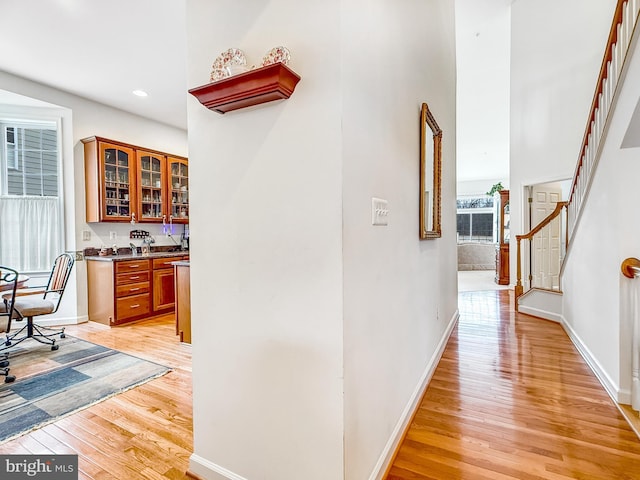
point(536, 312)
point(200, 467)
point(385, 461)
point(609, 385)
point(51, 322)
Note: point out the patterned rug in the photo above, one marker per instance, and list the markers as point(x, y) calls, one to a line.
point(51, 384)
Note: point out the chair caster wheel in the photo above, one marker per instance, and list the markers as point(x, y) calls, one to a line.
point(9, 378)
point(55, 347)
point(4, 363)
point(62, 335)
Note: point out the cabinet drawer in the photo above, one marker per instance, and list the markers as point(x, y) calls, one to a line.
point(132, 266)
point(132, 289)
point(133, 277)
point(164, 262)
point(132, 306)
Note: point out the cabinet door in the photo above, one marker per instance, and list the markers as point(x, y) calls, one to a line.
point(151, 186)
point(178, 187)
point(117, 182)
point(163, 289)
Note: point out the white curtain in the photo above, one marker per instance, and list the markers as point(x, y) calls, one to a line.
point(30, 232)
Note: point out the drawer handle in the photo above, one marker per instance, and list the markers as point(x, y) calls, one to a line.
point(134, 266)
point(134, 289)
point(135, 306)
point(135, 277)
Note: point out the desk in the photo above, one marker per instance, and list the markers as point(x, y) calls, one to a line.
point(22, 279)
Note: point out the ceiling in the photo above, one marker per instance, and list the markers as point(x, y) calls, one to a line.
point(102, 50)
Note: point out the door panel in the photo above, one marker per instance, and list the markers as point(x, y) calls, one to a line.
point(546, 243)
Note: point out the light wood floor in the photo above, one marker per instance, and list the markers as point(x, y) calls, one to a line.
point(144, 433)
point(513, 399)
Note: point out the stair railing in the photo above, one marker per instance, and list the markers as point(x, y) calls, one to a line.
point(611, 71)
point(539, 239)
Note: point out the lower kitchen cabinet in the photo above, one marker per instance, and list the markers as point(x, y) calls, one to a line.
point(122, 291)
point(163, 286)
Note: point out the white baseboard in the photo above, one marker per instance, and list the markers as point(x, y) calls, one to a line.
point(536, 312)
point(209, 470)
point(397, 435)
point(52, 322)
point(609, 385)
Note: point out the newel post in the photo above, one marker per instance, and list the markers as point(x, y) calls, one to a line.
point(518, 288)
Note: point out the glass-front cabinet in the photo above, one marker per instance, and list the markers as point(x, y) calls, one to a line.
point(126, 183)
point(179, 189)
point(109, 181)
point(151, 186)
point(118, 186)
point(502, 232)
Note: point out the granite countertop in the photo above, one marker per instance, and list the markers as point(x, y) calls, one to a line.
point(129, 256)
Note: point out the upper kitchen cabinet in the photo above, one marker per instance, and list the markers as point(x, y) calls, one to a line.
point(151, 186)
point(109, 180)
point(178, 176)
point(124, 182)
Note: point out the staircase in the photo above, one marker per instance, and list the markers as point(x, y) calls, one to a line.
point(541, 252)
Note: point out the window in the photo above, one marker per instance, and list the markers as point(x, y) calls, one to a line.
point(475, 219)
point(30, 195)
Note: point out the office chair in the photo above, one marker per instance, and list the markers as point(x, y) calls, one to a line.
point(8, 283)
point(41, 301)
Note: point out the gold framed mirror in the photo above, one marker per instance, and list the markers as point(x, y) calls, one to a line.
point(430, 174)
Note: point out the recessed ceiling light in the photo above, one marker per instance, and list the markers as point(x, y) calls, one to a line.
point(140, 93)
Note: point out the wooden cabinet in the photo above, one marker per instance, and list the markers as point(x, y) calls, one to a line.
point(178, 187)
point(151, 180)
point(109, 181)
point(183, 301)
point(124, 182)
point(118, 291)
point(503, 234)
point(163, 283)
point(122, 291)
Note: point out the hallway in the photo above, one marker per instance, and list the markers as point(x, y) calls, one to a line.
point(513, 399)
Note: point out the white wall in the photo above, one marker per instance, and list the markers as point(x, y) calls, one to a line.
point(399, 292)
point(597, 298)
point(556, 52)
point(480, 187)
point(482, 50)
point(266, 250)
point(317, 328)
point(84, 118)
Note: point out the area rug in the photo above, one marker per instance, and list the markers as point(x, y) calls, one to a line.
point(52, 384)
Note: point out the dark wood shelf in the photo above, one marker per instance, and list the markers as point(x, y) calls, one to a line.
point(260, 85)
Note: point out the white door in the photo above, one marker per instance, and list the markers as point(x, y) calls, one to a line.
point(546, 245)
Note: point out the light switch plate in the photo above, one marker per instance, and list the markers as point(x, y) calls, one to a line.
point(86, 235)
point(379, 211)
